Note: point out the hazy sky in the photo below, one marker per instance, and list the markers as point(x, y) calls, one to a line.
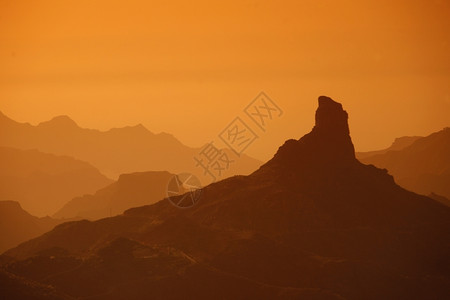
point(190, 67)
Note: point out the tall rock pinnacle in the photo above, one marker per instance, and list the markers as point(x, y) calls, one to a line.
point(328, 144)
point(331, 132)
point(331, 118)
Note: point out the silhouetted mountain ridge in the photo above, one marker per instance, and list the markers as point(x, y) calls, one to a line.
point(311, 223)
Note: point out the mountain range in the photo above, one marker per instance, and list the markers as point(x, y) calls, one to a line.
point(311, 223)
point(116, 151)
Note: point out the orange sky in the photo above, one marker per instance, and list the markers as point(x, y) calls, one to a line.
point(190, 67)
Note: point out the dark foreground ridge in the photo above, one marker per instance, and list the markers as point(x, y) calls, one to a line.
point(312, 223)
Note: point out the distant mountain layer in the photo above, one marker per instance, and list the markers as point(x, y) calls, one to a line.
point(423, 166)
point(116, 151)
point(311, 223)
point(131, 190)
point(398, 144)
point(42, 183)
point(17, 225)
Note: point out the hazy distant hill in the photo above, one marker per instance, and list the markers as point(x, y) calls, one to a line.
point(113, 152)
point(398, 144)
point(17, 225)
point(423, 166)
point(131, 190)
point(42, 183)
point(311, 223)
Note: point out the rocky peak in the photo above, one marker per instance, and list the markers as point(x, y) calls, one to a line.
point(328, 144)
point(331, 118)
